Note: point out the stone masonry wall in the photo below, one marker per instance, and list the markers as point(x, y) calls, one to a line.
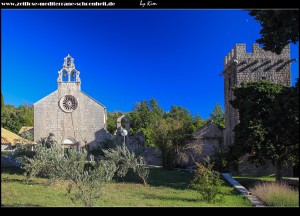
point(208, 137)
point(240, 66)
point(86, 124)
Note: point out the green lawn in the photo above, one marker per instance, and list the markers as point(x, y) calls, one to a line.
point(166, 188)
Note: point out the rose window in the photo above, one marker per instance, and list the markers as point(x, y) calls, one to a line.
point(68, 103)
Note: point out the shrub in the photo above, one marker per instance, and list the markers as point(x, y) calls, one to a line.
point(142, 171)
point(23, 152)
point(85, 180)
point(105, 144)
point(207, 182)
point(85, 185)
point(48, 141)
point(44, 162)
point(125, 160)
point(7, 153)
point(276, 194)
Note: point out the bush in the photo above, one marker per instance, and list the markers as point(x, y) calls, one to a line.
point(207, 182)
point(85, 179)
point(276, 194)
point(142, 171)
point(85, 182)
point(105, 144)
point(125, 160)
point(23, 152)
point(44, 162)
point(7, 153)
point(224, 159)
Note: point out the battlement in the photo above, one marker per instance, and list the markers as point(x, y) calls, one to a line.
point(239, 53)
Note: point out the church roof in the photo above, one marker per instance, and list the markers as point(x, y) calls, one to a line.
point(92, 99)
point(208, 129)
point(25, 128)
point(8, 137)
point(55, 92)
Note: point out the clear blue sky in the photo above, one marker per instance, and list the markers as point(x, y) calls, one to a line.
point(125, 56)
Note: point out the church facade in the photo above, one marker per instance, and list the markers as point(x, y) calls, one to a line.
point(72, 117)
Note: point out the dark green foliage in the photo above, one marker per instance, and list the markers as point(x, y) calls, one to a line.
point(48, 142)
point(112, 121)
point(221, 159)
point(269, 121)
point(217, 115)
point(198, 122)
point(169, 131)
point(6, 153)
point(22, 152)
point(105, 144)
point(13, 118)
point(279, 28)
point(143, 118)
point(2, 101)
point(207, 182)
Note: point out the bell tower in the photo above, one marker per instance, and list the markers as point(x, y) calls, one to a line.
point(68, 73)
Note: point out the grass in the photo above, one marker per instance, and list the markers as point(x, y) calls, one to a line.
point(276, 194)
point(249, 182)
point(166, 188)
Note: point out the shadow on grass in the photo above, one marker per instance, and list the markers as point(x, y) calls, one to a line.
point(161, 197)
point(159, 177)
point(20, 206)
point(250, 182)
point(12, 170)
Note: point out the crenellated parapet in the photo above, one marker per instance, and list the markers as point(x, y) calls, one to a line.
point(239, 56)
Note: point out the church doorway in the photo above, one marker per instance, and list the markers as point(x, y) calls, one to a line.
point(69, 143)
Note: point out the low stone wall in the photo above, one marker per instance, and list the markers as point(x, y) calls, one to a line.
point(247, 169)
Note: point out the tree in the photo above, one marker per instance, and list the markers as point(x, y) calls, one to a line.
point(13, 118)
point(279, 28)
point(10, 119)
point(25, 114)
point(217, 115)
point(2, 101)
point(112, 121)
point(198, 122)
point(143, 118)
point(171, 134)
point(269, 118)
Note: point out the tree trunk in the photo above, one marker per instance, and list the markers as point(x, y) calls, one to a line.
point(278, 175)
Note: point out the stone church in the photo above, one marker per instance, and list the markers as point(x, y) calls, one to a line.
point(74, 118)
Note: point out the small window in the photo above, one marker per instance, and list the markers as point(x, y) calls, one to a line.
point(263, 78)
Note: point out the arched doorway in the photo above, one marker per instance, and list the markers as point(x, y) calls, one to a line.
point(69, 142)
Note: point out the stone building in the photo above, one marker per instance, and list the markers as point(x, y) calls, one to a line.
point(74, 118)
point(209, 137)
point(240, 66)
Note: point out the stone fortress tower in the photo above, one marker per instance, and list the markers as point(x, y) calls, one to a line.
point(71, 116)
point(240, 66)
